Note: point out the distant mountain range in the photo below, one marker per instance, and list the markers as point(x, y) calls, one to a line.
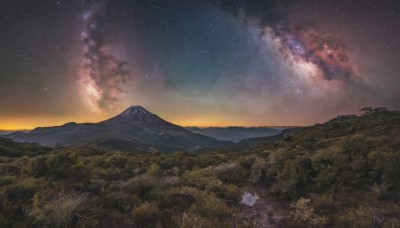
point(6, 132)
point(236, 134)
point(134, 129)
point(259, 141)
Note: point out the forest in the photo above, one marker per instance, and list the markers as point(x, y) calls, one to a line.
point(342, 173)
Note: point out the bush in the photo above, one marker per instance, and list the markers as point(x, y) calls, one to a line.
point(212, 208)
point(304, 213)
point(199, 178)
point(145, 213)
point(23, 190)
point(6, 180)
point(229, 172)
point(38, 166)
point(140, 185)
point(58, 165)
point(231, 192)
point(359, 217)
point(257, 170)
point(181, 198)
point(117, 200)
point(116, 161)
point(63, 211)
point(154, 170)
point(190, 220)
point(97, 185)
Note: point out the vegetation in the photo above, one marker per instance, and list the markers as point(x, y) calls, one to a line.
point(343, 173)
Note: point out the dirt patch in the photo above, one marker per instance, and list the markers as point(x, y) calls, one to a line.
point(268, 211)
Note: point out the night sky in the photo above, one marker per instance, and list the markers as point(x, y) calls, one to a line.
point(197, 62)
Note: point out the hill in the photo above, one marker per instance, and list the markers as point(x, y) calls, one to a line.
point(235, 134)
point(342, 173)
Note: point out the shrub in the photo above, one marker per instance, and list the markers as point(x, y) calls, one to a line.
point(96, 186)
point(117, 200)
point(6, 180)
point(231, 192)
point(154, 170)
point(304, 213)
point(23, 190)
point(181, 198)
point(62, 211)
point(190, 220)
point(199, 178)
point(145, 214)
point(247, 162)
point(380, 190)
point(117, 161)
point(355, 217)
point(257, 170)
point(38, 166)
point(78, 172)
point(58, 165)
point(231, 172)
point(212, 208)
point(171, 181)
point(141, 185)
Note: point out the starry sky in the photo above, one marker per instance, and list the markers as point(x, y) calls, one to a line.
point(197, 62)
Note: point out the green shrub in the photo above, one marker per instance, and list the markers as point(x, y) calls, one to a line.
point(199, 178)
point(258, 170)
point(247, 161)
point(38, 166)
point(78, 172)
point(117, 200)
point(231, 192)
point(145, 214)
point(229, 172)
point(63, 211)
point(181, 198)
point(116, 161)
point(22, 190)
point(7, 180)
point(355, 217)
point(140, 185)
point(97, 185)
point(154, 170)
point(190, 220)
point(58, 165)
point(212, 208)
point(304, 213)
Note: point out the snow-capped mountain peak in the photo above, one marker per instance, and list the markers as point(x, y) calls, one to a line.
point(136, 114)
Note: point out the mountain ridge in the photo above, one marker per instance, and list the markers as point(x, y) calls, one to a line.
point(237, 133)
point(135, 128)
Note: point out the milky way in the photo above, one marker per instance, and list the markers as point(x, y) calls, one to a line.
point(298, 40)
point(197, 62)
point(103, 74)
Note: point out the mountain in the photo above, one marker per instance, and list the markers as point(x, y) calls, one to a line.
point(236, 134)
point(259, 141)
point(14, 134)
point(134, 129)
point(6, 132)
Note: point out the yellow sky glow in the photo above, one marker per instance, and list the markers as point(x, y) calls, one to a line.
point(20, 123)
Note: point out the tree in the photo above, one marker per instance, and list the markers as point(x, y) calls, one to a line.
point(366, 110)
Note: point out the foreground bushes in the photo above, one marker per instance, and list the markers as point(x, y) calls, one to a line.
point(344, 173)
point(63, 211)
point(145, 214)
point(71, 187)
